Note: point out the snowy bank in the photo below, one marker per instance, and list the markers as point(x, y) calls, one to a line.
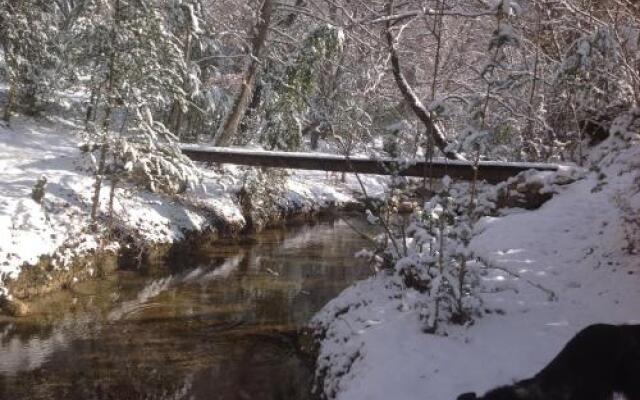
point(568, 264)
point(54, 232)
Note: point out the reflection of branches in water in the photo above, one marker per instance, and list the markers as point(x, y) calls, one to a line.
point(182, 392)
point(156, 287)
point(150, 291)
point(18, 354)
point(327, 240)
point(358, 231)
point(21, 353)
point(223, 271)
point(136, 381)
point(307, 237)
point(378, 246)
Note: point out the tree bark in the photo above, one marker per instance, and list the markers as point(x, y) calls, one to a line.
point(232, 121)
point(256, 98)
point(12, 65)
point(414, 102)
point(95, 201)
point(176, 115)
point(96, 88)
point(10, 100)
point(291, 18)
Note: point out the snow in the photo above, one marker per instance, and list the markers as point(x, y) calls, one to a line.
point(58, 226)
point(31, 149)
point(29, 229)
point(574, 245)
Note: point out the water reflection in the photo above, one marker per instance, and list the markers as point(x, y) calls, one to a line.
point(18, 353)
point(224, 329)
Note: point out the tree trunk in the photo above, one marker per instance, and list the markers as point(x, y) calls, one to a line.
point(6, 116)
point(95, 201)
point(414, 102)
point(93, 103)
point(176, 116)
point(256, 98)
point(11, 64)
point(232, 121)
point(291, 18)
point(104, 147)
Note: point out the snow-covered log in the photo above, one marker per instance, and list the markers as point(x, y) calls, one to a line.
point(490, 171)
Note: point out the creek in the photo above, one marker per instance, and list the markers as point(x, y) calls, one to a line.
point(227, 327)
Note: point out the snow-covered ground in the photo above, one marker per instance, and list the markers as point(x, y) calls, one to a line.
point(58, 226)
point(576, 245)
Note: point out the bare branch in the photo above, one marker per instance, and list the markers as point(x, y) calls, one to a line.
point(416, 105)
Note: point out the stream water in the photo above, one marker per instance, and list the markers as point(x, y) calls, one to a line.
point(226, 328)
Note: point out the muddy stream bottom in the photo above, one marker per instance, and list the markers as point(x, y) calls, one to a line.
point(226, 328)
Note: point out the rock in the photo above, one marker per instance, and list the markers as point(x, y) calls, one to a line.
point(407, 207)
point(529, 197)
point(13, 307)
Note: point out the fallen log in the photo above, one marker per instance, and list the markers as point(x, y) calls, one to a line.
point(490, 171)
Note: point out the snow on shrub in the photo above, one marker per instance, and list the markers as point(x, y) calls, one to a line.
point(147, 155)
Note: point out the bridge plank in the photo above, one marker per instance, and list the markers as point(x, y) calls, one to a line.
point(489, 171)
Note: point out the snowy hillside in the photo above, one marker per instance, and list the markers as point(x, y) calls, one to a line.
point(570, 263)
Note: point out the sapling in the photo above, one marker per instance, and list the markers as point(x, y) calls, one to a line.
point(38, 192)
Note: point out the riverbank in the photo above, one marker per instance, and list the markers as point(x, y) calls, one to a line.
point(47, 244)
point(572, 262)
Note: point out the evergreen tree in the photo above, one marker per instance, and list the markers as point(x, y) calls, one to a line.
point(138, 69)
point(28, 38)
point(291, 95)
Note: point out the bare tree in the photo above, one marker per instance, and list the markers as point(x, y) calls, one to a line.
point(409, 95)
point(232, 121)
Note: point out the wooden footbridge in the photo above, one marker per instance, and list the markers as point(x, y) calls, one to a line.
point(489, 171)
